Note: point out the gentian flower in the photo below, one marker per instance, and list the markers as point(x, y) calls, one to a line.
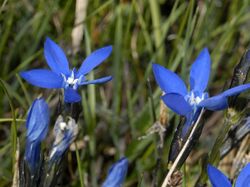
point(117, 173)
point(218, 179)
point(61, 76)
point(189, 103)
point(64, 133)
point(37, 127)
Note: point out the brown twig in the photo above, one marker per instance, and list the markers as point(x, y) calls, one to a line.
point(172, 169)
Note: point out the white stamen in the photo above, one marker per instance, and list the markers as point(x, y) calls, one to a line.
point(64, 77)
point(195, 100)
point(63, 126)
point(71, 81)
point(80, 79)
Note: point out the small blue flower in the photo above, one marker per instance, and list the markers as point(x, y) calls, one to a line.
point(37, 125)
point(189, 103)
point(117, 174)
point(218, 179)
point(65, 134)
point(61, 76)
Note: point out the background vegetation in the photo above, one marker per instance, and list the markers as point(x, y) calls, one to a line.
point(115, 115)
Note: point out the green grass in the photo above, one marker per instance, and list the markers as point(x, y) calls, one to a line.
point(116, 114)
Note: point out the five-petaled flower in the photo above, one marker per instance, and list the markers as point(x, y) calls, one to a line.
point(188, 103)
point(61, 76)
point(218, 179)
point(117, 173)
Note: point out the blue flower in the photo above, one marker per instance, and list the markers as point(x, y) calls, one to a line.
point(61, 76)
point(218, 179)
point(37, 125)
point(117, 173)
point(65, 134)
point(189, 103)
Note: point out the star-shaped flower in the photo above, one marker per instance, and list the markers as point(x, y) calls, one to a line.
point(60, 76)
point(183, 102)
point(218, 179)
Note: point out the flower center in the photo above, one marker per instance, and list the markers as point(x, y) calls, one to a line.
point(71, 81)
point(194, 100)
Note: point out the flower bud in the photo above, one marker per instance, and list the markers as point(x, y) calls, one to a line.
point(64, 133)
point(117, 173)
point(37, 127)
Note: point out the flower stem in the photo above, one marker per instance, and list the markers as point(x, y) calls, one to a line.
point(166, 180)
point(79, 166)
point(13, 125)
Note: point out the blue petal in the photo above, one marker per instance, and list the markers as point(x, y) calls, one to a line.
point(32, 155)
point(37, 123)
point(60, 147)
point(63, 137)
point(168, 81)
point(200, 71)
point(43, 78)
point(191, 118)
point(71, 96)
point(243, 179)
point(93, 60)
point(236, 90)
point(217, 178)
point(97, 81)
point(177, 103)
point(55, 57)
point(117, 173)
point(218, 102)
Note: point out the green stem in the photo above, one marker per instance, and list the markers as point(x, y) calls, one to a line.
point(79, 166)
point(14, 125)
point(26, 94)
point(2, 120)
point(156, 20)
